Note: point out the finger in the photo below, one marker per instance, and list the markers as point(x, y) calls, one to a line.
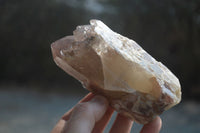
point(85, 115)
point(59, 126)
point(152, 127)
point(122, 124)
point(101, 124)
point(88, 97)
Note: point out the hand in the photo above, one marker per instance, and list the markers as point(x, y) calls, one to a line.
point(92, 114)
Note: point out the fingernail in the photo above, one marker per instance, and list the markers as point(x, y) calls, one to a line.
point(100, 100)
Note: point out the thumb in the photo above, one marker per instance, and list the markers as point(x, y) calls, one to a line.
point(85, 115)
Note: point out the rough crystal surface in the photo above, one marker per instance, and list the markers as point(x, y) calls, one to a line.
point(112, 65)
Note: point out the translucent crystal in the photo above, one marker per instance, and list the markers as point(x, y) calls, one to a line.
point(116, 67)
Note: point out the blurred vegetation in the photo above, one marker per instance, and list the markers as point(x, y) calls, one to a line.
point(168, 30)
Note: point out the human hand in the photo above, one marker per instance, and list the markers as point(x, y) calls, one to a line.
point(92, 114)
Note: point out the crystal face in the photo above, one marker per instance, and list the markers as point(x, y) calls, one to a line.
point(116, 67)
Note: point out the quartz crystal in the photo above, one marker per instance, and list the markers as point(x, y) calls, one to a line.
point(109, 64)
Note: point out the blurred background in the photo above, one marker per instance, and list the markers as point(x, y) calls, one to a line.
point(34, 92)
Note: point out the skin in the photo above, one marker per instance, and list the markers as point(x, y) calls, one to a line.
point(92, 114)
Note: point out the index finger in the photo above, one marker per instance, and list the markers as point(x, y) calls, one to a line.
point(88, 97)
point(62, 122)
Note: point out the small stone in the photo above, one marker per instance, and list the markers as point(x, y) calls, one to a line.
point(116, 67)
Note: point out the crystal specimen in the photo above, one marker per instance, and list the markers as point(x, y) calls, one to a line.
point(116, 67)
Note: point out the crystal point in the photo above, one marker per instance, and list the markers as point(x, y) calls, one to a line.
point(116, 67)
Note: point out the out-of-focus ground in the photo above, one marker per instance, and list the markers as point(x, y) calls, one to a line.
point(29, 111)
